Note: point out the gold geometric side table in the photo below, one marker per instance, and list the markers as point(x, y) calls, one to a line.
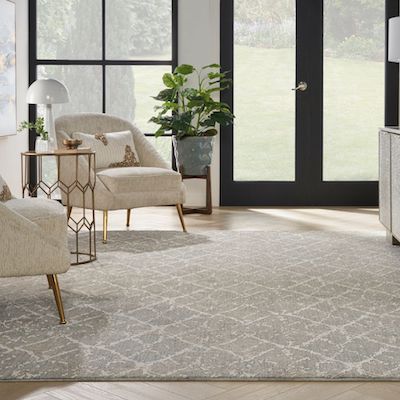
point(84, 247)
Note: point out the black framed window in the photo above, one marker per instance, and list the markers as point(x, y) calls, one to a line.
point(111, 54)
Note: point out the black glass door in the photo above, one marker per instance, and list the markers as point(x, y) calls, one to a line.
point(309, 96)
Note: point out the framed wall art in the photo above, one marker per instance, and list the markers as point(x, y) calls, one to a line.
point(8, 107)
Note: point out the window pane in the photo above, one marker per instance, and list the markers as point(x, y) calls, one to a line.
point(353, 88)
point(129, 91)
point(163, 144)
point(264, 131)
point(84, 83)
point(138, 29)
point(69, 29)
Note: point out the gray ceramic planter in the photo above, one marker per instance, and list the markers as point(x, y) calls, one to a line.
point(193, 154)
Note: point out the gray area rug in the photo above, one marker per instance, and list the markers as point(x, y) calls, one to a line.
point(220, 305)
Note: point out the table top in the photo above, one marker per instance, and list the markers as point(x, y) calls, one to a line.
point(391, 129)
point(60, 152)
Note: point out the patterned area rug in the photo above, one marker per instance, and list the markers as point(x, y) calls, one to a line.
point(220, 305)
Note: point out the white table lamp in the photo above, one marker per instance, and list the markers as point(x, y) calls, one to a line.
point(48, 92)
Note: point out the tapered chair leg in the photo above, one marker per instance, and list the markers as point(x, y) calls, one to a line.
point(69, 211)
point(128, 217)
point(180, 213)
point(105, 226)
point(57, 296)
point(49, 280)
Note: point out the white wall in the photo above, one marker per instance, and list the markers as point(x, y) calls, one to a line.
point(198, 33)
point(11, 146)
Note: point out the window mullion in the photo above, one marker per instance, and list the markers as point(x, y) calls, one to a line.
point(103, 33)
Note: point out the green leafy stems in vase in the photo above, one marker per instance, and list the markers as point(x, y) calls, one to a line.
point(38, 126)
point(188, 108)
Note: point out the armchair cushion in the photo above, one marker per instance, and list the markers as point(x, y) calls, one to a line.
point(114, 149)
point(140, 179)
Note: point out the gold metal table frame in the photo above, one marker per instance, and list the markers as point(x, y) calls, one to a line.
point(86, 189)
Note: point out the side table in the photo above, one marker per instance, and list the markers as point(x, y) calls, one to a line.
point(208, 208)
point(86, 222)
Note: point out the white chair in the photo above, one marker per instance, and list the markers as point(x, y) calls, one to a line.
point(33, 241)
point(151, 184)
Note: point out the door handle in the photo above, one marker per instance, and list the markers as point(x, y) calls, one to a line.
point(302, 87)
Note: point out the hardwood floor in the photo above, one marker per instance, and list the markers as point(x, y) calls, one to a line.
point(166, 218)
point(243, 218)
point(201, 391)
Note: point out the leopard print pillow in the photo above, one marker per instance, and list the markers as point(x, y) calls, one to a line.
point(128, 161)
point(5, 193)
point(113, 149)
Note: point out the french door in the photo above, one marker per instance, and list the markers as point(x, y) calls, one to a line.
point(309, 96)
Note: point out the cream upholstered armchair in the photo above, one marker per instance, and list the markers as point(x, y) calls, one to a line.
point(33, 241)
point(152, 183)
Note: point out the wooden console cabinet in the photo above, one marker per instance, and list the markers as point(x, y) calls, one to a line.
point(389, 182)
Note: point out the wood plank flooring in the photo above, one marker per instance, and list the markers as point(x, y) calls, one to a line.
point(201, 391)
point(272, 219)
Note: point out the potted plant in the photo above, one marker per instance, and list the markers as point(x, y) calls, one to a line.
point(42, 136)
point(189, 110)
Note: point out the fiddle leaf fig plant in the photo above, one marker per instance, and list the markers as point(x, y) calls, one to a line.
point(187, 106)
point(38, 126)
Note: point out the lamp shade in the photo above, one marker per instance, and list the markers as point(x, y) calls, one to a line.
point(47, 91)
point(394, 40)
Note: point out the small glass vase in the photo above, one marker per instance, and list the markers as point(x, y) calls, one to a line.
point(41, 145)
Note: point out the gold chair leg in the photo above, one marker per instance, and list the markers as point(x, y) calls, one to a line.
point(57, 296)
point(128, 217)
point(180, 213)
point(105, 226)
point(69, 211)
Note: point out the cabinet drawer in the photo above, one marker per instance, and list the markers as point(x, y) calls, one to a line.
point(395, 158)
point(384, 179)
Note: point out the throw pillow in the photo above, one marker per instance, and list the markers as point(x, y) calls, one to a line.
point(114, 149)
point(5, 193)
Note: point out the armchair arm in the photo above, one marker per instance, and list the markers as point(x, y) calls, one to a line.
point(25, 249)
point(149, 156)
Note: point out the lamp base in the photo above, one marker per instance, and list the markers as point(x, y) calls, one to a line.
point(50, 128)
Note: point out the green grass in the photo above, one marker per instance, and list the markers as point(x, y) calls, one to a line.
point(264, 136)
